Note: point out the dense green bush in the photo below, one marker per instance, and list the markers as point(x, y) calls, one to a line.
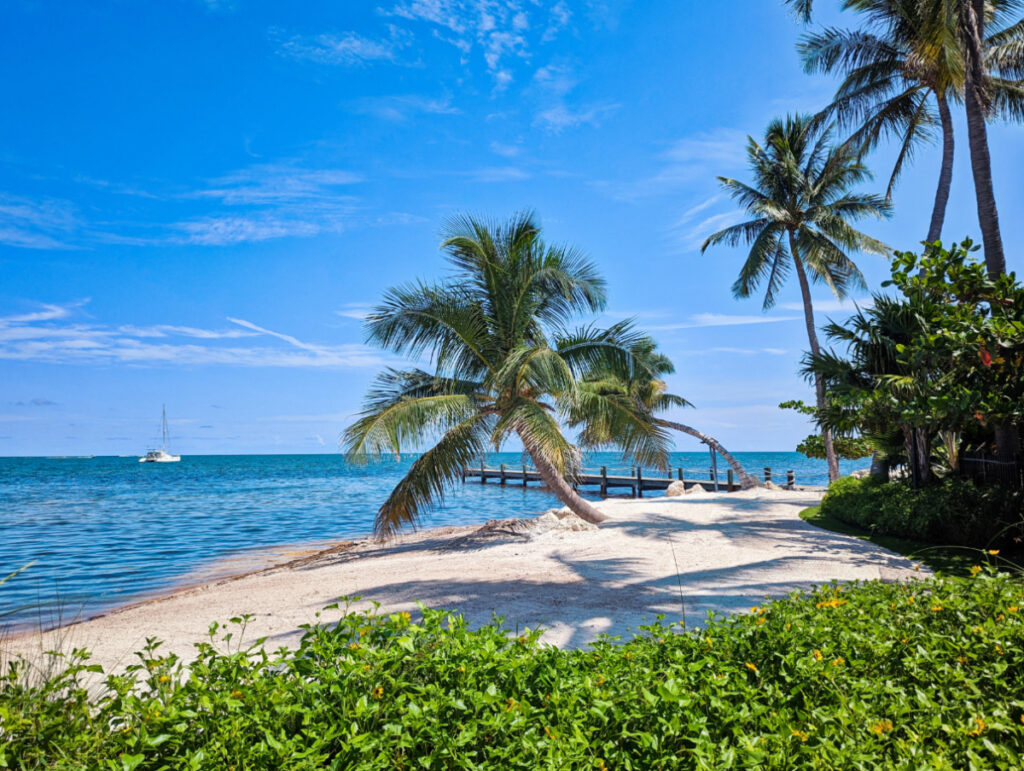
point(953, 512)
point(926, 674)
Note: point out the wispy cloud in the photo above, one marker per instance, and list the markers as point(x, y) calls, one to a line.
point(831, 304)
point(56, 337)
point(503, 31)
point(342, 48)
point(722, 320)
point(44, 223)
point(499, 174)
point(697, 158)
point(505, 150)
point(356, 311)
point(553, 84)
point(401, 108)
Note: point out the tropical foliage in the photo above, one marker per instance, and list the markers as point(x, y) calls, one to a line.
point(801, 207)
point(879, 675)
point(505, 362)
point(941, 365)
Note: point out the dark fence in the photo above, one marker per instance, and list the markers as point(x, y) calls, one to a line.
point(986, 471)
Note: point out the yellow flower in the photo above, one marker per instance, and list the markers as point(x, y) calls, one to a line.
point(882, 726)
point(363, 631)
point(999, 650)
point(982, 727)
point(462, 670)
point(600, 680)
point(236, 694)
point(961, 659)
point(917, 567)
point(354, 646)
point(838, 662)
point(801, 735)
point(975, 569)
point(628, 656)
point(910, 600)
point(993, 552)
point(751, 667)
point(1000, 617)
point(817, 655)
point(512, 704)
point(755, 609)
point(405, 616)
point(904, 640)
point(835, 602)
point(164, 678)
point(547, 731)
point(760, 620)
point(378, 692)
point(1012, 609)
point(936, 608)
point(366, 666)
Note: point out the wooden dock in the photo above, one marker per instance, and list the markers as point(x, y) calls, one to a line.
point(637, 482)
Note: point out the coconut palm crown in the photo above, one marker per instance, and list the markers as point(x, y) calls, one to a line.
point(505, 362)
point(801, 208)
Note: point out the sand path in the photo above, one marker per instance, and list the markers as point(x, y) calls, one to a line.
point(732, 551)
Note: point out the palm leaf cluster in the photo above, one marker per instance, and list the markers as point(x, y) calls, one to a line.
point(504, 361)
point(801, 208)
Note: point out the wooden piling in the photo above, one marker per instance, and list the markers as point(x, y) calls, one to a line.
point(790, 478)
point(502, 474)
point(483, 473)
point(729, 480)
point(639, 483)
point(524, 475)
point(767, 474)
point(604, 481)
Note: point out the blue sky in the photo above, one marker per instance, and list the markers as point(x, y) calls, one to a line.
point(198, 200)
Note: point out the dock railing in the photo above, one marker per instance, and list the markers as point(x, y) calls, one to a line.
point(605, 478)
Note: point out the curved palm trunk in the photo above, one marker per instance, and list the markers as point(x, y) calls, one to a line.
point(946, 171)
point(973, 21)
point(562, 489)
point(746, 480)
point(812, 338)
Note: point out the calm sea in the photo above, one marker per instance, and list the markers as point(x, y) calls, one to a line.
point(102, 532)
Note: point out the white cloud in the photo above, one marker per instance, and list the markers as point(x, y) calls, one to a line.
point(722, 320)
point(400, 108)
point(36, 223)
point(344, 48)
point(356, 311)
point(499, 174)
point(831, 305)
point(49, 336)
point(505, 151)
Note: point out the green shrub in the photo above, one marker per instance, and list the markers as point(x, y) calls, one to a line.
point(954, 512)
point(927, 674)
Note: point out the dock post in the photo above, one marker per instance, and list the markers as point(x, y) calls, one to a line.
point(639, 483)
point(790, 479)
point(524, 475)
point(767, 474)
point(679, 471)
point(502, 473)
point(464, 473)
point(483, 474)
point(669, 475)
point(604, 481)
point(729, 481)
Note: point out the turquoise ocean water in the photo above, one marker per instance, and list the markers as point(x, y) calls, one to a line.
point(102, 532)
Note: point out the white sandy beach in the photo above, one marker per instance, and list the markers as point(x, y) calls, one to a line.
point(732, 550)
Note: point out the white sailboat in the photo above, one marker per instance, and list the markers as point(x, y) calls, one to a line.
point(161, 455)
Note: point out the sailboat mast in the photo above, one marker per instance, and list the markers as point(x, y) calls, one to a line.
point(164, 427)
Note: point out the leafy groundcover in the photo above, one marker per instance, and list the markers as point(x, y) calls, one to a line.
point(928, 674)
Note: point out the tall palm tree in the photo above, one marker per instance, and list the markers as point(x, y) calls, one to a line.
point(985, 94)
point(894, 69)
point(801, 208)
point(923, 49)
point(647, 392)
point(505, 363)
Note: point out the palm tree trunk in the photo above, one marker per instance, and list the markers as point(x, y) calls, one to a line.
point(973, 22)
point(812, 338)
point(945, 173)
point(746, 480)
point(562, 489)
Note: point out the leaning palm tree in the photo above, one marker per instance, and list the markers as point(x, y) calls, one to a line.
point(801, 208)
point(647, 392)
point(505, 363)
